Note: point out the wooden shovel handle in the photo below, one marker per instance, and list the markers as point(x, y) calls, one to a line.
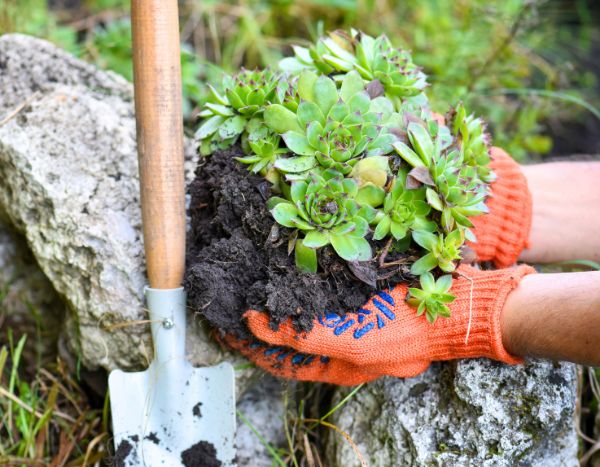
point(157, 78)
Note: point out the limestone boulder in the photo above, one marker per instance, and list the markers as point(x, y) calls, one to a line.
point(69, 184)
point(466, 413)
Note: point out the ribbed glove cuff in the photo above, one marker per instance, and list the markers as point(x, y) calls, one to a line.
point(502, 234)
point(474, 329)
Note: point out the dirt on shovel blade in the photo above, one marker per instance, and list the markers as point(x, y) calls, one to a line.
point(201, 454)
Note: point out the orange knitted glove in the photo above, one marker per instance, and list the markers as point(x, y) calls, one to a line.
point(286, 362)
point(502, 234)
point(386, 335)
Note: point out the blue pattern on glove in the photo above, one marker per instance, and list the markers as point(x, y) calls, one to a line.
point(281, 353)
point(342, 323)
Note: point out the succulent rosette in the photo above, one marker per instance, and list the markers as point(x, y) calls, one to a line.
point(323, 207)
point(403, 210)
point(331, 128)
point(374, 58)
point(226, 115)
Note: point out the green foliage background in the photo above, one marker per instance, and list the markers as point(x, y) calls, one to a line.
point(515, 62)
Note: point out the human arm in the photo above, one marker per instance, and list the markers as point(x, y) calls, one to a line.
point(566, 212)
point(540, 213)
point(555, 316)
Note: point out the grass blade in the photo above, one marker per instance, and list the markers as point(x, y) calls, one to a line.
point(580, 262)
point(262, 440)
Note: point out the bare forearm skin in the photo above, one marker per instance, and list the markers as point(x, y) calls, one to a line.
point(554, 316)
point(565, 212)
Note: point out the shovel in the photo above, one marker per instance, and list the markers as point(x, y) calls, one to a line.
point(171, 414)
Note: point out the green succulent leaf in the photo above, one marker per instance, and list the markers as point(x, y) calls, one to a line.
point(306, 85)
point(371, 195)
point(281, 119)
point(425, 239)
point(274, 201)
point(421, 141)
point(427, 282)
point(310, 112)
point(209, 127)
point(374, 170)
point(443, 284)
point(232, 127)
point(325, 93)
point(424, 264)
point(295, 164)
point(217, 97)
point(218, 109)
point(306, 258)
point(316, 239)
point(383, 228)
point(351, 85)
point(434, 199)
point(351, 248)
point(285, 214)
point(408, 154)
point(298, 191)
point(418, 293)
point(298, 143)
point(398, 230)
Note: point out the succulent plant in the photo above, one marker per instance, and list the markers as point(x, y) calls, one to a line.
point(432, 297)
point(443, 251)
point(324, 209)
point(403, 210)
point(354, 154)
point(250, 90)
point(262, 145)
point(377, 61)
point(454, 187)
point(287, 93)
point(372, 174)
point(458, 193)
point(331, 128)
point(225, 116)
point(333, 53)
point(473, 142)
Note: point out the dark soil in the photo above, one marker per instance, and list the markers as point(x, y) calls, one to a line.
point(238, 257)
point(201, 454)
point(122, 453)
point(197, 410)
point(153, 437)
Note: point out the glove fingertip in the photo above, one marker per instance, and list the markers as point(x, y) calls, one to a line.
point(255, 315)
point(259, 325)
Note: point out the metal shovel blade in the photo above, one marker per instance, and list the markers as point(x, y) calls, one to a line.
point(173, 414)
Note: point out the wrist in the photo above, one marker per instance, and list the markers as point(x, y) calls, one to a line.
point(477, 326)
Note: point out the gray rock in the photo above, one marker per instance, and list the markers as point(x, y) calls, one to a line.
point(468, 413)
point(68, 166)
